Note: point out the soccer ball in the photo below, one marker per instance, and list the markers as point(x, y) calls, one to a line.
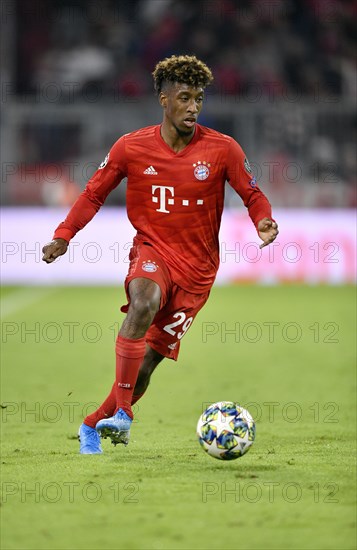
point(226, 430)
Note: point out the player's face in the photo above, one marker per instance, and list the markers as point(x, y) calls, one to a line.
point(182, 105)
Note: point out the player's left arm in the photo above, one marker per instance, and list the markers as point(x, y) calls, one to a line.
point(240, 176)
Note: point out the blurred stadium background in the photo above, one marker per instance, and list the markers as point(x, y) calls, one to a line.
point(76, 76)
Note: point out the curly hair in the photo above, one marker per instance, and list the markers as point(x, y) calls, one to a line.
point(186, 69)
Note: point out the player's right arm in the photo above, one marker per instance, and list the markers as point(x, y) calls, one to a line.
point(108, 176)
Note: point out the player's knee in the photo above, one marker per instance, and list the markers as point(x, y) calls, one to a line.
point(144, 308)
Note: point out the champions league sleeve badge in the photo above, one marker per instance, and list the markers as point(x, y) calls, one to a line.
point(104, 163)
point(247, 165)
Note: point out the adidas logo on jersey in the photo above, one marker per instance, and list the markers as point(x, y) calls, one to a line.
point(151, 170)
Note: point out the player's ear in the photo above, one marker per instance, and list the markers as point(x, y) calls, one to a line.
point(163, 99)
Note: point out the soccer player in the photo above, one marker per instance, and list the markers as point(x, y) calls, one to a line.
point(175, 192)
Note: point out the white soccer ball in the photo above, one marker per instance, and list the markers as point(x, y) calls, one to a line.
point(225, 430)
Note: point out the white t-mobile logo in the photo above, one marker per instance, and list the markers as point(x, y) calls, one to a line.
point(162, 197)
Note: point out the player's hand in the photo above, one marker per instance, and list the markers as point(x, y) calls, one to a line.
point(54, 249)
point(268, 231)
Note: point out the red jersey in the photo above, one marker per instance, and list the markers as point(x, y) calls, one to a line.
point(174, 200)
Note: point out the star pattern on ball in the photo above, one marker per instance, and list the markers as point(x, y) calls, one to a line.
point(222, 423)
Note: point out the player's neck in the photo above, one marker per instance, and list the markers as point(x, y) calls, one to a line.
point(174, 139)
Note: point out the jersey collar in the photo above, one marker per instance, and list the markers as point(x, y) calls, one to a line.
point(168, 149)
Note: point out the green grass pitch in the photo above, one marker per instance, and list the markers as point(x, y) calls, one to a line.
point(287, 353)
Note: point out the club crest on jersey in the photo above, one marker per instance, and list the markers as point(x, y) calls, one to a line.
point(149, 266)
point(201, 170)
point(104, 163)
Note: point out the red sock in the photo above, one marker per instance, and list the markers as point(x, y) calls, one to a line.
point(106, 409)
point(129, 357)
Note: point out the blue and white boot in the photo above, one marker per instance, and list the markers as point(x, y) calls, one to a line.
point(89, 441)
point(116, 427)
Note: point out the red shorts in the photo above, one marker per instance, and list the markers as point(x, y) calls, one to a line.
point(178, 308)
